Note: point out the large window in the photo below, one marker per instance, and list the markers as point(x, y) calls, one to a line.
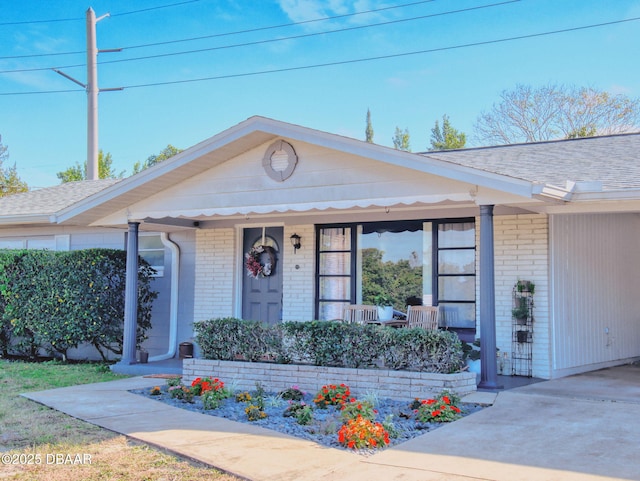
point(412, 262)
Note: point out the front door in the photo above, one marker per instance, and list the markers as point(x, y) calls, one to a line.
point(262, 295)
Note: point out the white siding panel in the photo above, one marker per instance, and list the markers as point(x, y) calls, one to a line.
point(595, 264)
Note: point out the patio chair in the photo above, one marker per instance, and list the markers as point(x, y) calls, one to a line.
point(425, 317)
point(360, 314)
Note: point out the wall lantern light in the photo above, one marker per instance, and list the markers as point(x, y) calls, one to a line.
point(295, 242)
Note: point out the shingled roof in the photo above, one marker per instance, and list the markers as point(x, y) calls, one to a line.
point(612, 160)
point(50, 200)
point(593, 170)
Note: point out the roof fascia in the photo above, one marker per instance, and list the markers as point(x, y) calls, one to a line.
point(274, 129)
point(414, 161)
point(159, 170)
point(27, 219)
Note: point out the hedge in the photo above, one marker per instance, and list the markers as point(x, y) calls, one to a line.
point(330, 343)
point(58, 300)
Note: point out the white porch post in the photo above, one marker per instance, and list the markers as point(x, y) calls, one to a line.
point(489, 369)
point(131, 298)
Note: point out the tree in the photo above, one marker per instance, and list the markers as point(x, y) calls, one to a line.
point(401, 140)
point(167, 152)
point(79, 172)
point(369, 130)
point(10, 182)
point(446, 138)
point(528, 114)
point(398, 280)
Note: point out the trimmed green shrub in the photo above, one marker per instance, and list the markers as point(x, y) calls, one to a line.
point(230, 338)
point(421, 350)
point(58, 300)
point(330, 343)
point(333, 343)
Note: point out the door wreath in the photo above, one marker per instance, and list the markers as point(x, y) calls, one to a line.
point(255, 267)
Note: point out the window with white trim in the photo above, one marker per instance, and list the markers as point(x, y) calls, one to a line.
point(151, 249)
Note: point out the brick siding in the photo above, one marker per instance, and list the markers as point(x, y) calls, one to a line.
point(277, 377)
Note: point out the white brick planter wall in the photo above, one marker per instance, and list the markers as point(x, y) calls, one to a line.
point(276, 377)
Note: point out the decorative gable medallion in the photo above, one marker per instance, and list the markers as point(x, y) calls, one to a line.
point(280, 160)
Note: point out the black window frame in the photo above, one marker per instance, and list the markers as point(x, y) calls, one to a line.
point(435, 249)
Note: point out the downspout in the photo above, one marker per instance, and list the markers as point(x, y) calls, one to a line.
point(173, 302)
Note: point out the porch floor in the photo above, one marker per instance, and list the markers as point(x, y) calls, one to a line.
point(168, 366)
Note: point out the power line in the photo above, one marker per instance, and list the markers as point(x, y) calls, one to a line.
point(271, 27)
point(280, 39)
point(353, 61)
point(153, 8)
point(224, 34)
point(306, 35)
point(380, 57)
point(75, 19)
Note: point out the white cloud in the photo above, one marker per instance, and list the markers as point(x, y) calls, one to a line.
point(302, 10)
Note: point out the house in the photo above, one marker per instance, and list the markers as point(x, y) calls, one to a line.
point(468, 224)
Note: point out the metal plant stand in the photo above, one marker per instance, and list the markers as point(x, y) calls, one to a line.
point(522, 341)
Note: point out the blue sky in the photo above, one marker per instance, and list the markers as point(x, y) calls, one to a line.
point(46, 132)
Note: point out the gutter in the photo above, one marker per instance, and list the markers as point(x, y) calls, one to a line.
point(566, 193)
point(173, 303)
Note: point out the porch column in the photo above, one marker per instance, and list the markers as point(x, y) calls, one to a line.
point(131, 298)
point(489, 369)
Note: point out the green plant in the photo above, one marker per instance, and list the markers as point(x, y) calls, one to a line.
point(439, 410)
point(243, 397)
point(254, 413)
point(355, 408)
point(302, 412)
point(259, 395)
point(274, 401)
point(421, 350)
point(304, 416)
point(331, 343)
point(332, 395)
point(383, 300)
point(183, 393)
point(520, 312)
point(232, 339)
point(174, 381)
point(292, 394)
point(58, 300)
point(212, 399)
point(200, 386)
point(526, 286)
point(391, 428)
point(362, 433)
point(471, 351)
point(372, 397)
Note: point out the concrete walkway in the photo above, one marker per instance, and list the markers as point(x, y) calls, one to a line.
point(584, 427)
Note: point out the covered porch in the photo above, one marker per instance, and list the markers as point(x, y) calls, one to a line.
point(264, 182)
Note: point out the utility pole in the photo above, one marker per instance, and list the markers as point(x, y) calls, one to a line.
point(92, 92)
point(92, 96)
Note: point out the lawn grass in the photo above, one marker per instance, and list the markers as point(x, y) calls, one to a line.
point(29, 428)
